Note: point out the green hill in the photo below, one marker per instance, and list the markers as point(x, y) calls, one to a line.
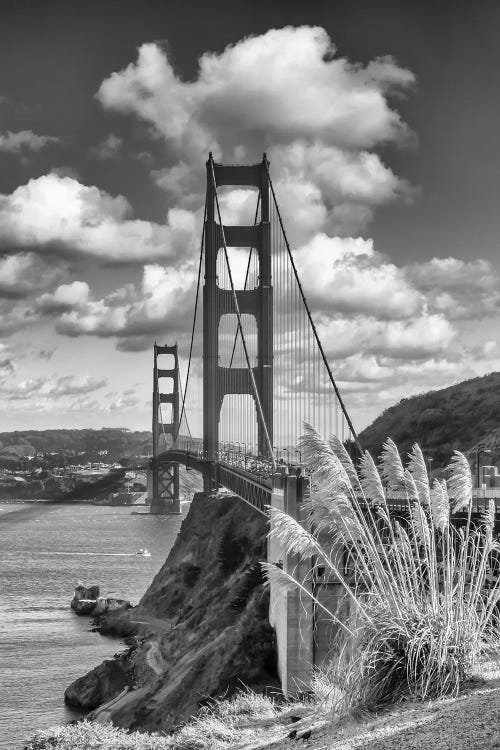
point(75, 446)
point(459, 417)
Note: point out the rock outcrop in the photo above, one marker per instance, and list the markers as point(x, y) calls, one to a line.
point(101, 684)
point(201, 629)
point(86, 601)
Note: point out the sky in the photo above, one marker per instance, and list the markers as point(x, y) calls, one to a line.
point(380, 121)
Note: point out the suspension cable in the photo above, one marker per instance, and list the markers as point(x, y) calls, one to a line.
point(240, 327)
point(193, 326)
point(313, 326)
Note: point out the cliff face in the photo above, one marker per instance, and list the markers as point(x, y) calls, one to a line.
point(202, 626)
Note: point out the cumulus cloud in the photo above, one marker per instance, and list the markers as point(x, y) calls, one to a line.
point(109, 148)
point(7, 367)
point(24, 274)
point(319, 139)
point(60, 215)
point(247, 89)
point(337, 189)
point(65, 297)
point(348, 276)
point(418, 338)
point(162, 303)
point(457, 288)
point(24, 141)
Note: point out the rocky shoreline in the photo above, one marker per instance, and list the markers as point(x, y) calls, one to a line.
point(200, 631)
point(87, 601)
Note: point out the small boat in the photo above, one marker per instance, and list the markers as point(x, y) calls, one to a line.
point(143, 553)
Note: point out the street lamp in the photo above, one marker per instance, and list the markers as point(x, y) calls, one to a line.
point(300, 455)
point(479, 451)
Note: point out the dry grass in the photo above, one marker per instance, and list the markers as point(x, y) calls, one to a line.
point(247, 720)
point(422, 612)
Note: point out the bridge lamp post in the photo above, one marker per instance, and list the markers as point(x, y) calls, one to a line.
point(429, 465)
point(479, 452)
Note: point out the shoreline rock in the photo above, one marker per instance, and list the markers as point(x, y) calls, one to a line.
point(87, 602)
point(100, 684)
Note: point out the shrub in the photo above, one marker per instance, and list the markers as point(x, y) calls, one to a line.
point(422, 607)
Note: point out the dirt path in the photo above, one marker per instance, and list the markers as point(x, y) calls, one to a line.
point(153, 657)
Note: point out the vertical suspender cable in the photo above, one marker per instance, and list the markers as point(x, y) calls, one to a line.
point(306, 305)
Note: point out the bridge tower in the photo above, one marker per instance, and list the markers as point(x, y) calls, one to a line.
point(164, 485)
point(219, 381)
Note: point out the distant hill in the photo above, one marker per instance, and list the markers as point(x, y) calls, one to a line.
point(78, 446)
point(459, 417)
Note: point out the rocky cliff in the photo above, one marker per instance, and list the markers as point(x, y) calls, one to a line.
point(201, 630)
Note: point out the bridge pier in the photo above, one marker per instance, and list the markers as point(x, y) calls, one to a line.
point(306, 637)
point(291, 614)
point(163, 477)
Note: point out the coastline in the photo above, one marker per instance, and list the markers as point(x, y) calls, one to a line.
point(201, 628)
point(45, 548)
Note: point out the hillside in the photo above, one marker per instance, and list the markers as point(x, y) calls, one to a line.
point(459, 417)
point(74, 446)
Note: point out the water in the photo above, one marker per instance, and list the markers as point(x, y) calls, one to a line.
point(44, 551)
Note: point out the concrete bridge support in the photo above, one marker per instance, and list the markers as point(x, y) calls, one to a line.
point(306, 637)
point(291, 614)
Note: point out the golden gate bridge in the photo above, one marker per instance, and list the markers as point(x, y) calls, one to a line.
point(256, 367)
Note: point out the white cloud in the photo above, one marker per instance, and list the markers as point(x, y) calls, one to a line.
point(59, 215)
point(346, 275)
point(67, 385)
point(24, 141)
point(23, 274)
point(457, 288)
point(421, 337)
point(163, 303)
point(65, 297)
point(7, 367)
point(109, 148)
point(285, 91)
point(285, 83)
point(325, 187)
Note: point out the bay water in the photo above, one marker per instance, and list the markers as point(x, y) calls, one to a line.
point(45, 550)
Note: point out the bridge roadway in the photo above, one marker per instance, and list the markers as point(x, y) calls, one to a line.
point(253, 486)
point(250, 477)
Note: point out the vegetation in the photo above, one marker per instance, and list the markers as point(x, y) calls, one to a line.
point(221, 725)
point(74, 446)
point(421, 610)
point(455, 418)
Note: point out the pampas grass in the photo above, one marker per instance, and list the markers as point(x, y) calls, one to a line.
point(421, 611)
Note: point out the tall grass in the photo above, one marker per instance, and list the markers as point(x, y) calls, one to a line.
point(422, 602)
